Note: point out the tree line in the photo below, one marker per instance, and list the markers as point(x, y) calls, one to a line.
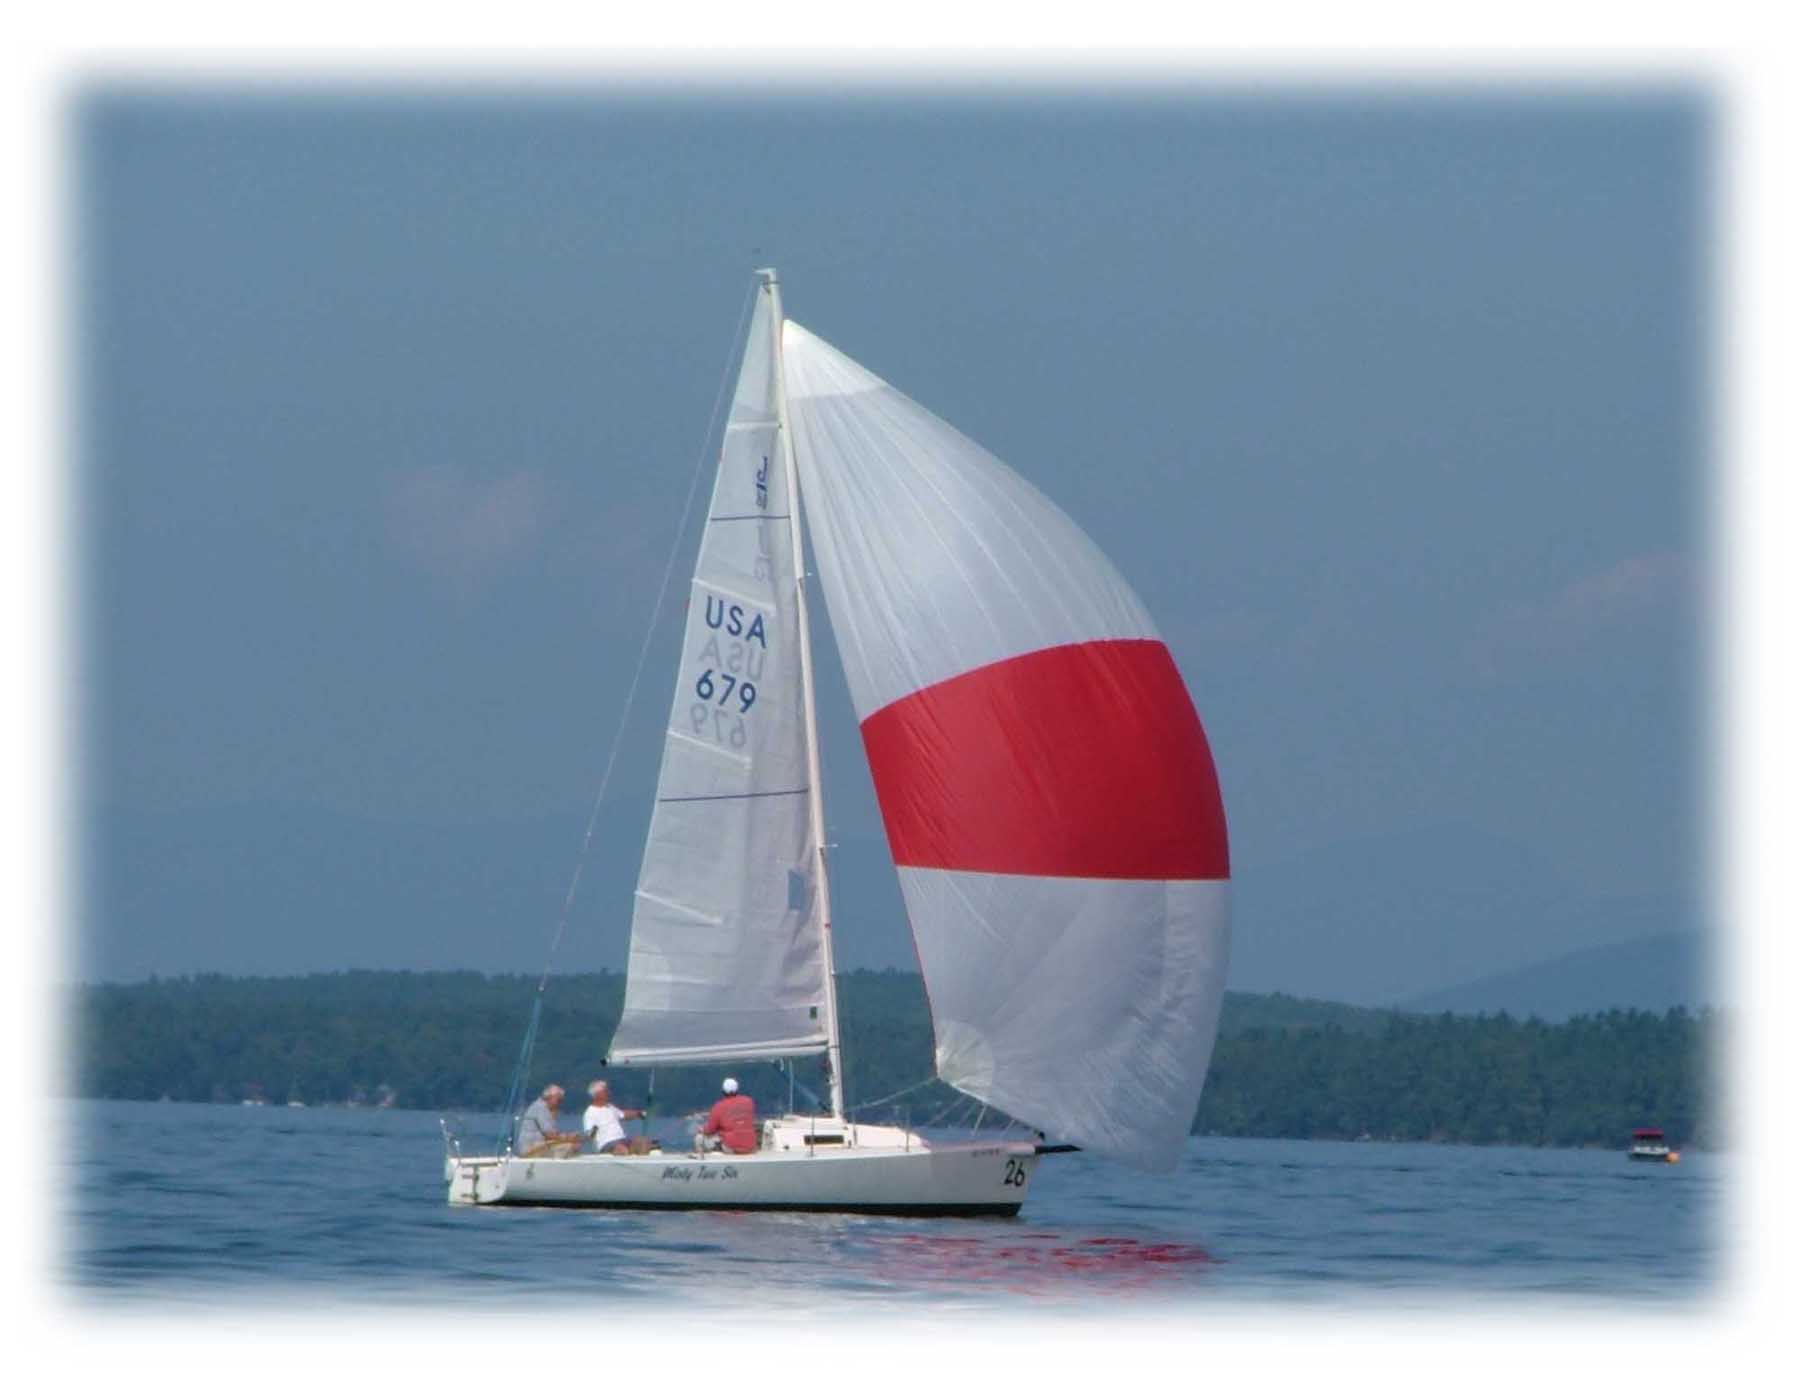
point(1283, 1066)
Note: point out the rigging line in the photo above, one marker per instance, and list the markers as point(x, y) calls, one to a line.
point(910, 1088)
point(509, 1123)
point(793, 1083)
point(957, 1101)
point(587, 839)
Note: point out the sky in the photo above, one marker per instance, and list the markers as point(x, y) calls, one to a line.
point(1392, 408)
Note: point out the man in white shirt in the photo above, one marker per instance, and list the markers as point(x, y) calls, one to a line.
point(604, 1124)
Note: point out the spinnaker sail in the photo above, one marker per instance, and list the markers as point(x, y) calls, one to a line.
point(1049, 795)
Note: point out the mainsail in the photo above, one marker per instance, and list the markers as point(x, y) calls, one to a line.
point(1049, 795)
point(726, 956)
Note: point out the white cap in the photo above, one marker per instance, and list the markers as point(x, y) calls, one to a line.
point(730, 1085)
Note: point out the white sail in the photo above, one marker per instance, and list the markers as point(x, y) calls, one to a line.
point(726, 942)
point(1049, 795)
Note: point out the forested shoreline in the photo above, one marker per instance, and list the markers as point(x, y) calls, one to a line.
point(1283, 1067)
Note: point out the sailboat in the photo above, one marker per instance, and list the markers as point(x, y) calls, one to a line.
point(1049, 796)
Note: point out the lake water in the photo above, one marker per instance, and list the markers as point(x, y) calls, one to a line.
point(201, 1207)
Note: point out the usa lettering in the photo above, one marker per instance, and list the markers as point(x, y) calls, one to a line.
point(729, 618)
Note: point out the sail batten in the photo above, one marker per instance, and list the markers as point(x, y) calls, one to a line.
point(738, 796)
point(1048, 792)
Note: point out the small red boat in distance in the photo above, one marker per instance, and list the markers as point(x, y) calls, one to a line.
point(1648, 1146)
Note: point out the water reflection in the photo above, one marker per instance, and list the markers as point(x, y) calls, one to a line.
point(1038, 1262)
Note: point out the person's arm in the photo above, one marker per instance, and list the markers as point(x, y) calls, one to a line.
point(714, 1122)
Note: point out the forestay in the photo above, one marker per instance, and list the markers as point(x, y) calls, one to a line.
point(725, 937)
point(1049, 795)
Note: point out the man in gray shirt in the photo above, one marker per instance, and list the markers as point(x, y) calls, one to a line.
point(537, 1127)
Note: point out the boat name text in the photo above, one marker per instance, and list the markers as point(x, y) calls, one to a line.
point(699, 1173)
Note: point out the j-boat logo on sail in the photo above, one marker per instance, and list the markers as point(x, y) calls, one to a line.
point(762, 485)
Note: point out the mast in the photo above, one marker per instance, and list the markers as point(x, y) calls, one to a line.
point(815, 786)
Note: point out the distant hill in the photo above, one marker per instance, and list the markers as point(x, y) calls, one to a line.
point(1250, 1010)
point(1642, 974)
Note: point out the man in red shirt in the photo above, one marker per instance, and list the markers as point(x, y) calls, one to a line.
point(731, 1125)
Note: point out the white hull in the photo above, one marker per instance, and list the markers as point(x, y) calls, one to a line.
point(876, 1170)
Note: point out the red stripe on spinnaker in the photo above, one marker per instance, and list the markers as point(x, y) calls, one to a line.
point(1084, 761)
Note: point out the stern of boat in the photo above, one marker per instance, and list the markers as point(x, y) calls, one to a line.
point(476, 1180)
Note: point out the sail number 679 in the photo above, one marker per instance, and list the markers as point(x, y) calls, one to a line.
point(707, 688)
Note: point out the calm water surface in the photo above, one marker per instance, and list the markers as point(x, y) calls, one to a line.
point(210, 1207)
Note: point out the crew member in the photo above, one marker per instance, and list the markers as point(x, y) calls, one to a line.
point(537, 1127)
point(603, 1124)
point(731, 1125)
